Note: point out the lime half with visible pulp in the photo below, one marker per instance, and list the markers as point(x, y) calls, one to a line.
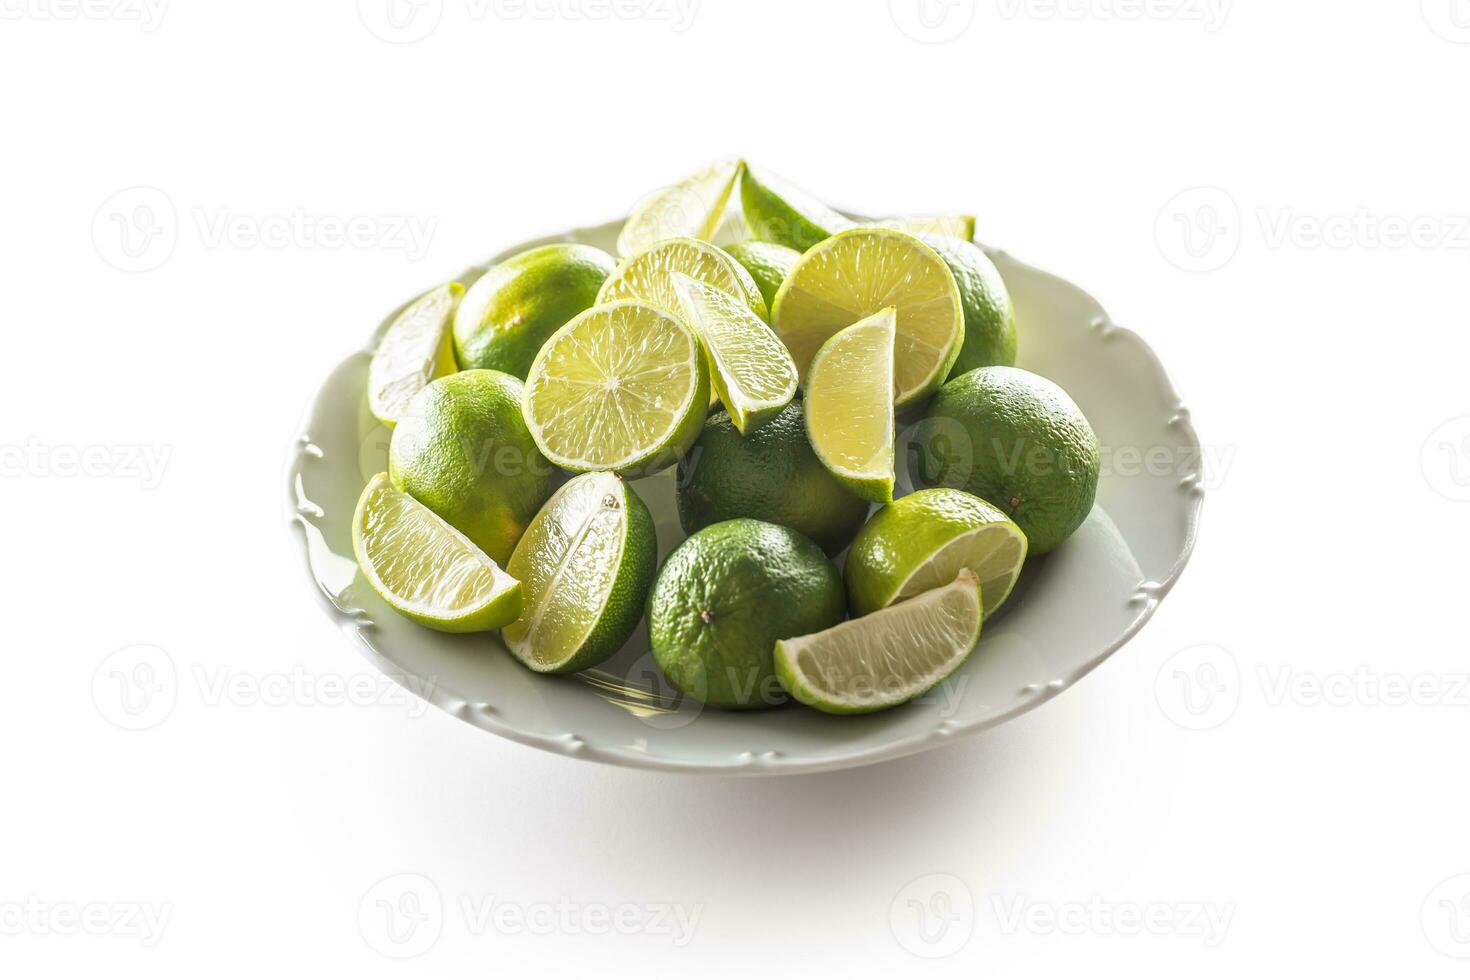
point(849, 406)
point(623, 387)
point(585, 565)
point(424, 568)
point(648, 277)
point(887, 657)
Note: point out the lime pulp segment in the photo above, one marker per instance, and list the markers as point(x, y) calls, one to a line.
point(849, 406)
point(648, 275)
point(414, 350)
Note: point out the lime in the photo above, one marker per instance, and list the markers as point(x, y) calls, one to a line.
point(957, 225)
point(622, 387)
point(1017, 440)
point(767, 263)
point(849, 406)
point(690, 208)
point(990, 320)
point(887, 657)
point(750, 368)
point(777, 212)
point(723, 599)
point(510, 311)
point(649, 276)
point(585, 565)
point(921, 542)
point(856, 273)
point(462, 450)
point(771, 475)
point(424, 568)
point(414, 350)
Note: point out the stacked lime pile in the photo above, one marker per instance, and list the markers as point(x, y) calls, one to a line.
point(771, 372)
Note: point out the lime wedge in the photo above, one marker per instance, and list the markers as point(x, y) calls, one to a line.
point(415, 349)
point(887, 657)
point(954, 225)
point(921, 542)
point(585, 565)
point(775, 211)
point(621, 387)
point(749, 367)
point(849, 406)
point(856, 273)
point(689, 208)
point(424, 568)
point(648, 276)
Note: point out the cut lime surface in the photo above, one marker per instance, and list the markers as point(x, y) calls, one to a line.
point(424, 568)
point(689, 208)
point(856, 273)
point(622, 387)
point(887, 657)
point(585, 565)
point(648, 277)
point(750, 368)
point(849, 406)
point(921, 542)
point(416, 348)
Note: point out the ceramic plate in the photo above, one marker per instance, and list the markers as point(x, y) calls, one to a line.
point(1071, 609)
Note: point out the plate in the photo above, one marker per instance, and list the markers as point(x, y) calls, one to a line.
point(1069, 612)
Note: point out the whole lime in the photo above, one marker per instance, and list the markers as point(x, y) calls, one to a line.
point(990, 319)
point(767, 263)
point(509, 312)
point(462, 450)
point(1017, 440)
point(723, 599)
point(772, 475)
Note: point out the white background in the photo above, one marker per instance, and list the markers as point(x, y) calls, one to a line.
point(1320, 821)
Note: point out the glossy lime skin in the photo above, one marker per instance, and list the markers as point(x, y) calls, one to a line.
point(770, 474)
point(723, 599)
point(1017, 440)
point(768, 264)
point(463, 451)
point(990, 319)
point(513, 308)
point(902, 536)
point(772, 219)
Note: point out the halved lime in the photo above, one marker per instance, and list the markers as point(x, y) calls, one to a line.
point(775, 211)
point(749, 366)
point(856, 273)
point(648, 276)
point(621, 387)
point(921, 542)
point(585, 565)
point(887, 657)
point(954, 225)
point(689, 208)
point(415, 349)
point(849, 406)
point(424, 568)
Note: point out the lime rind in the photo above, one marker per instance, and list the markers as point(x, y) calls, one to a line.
point(750, 369)
point(692, 207)
point(849, 406)
point(424, 568)
point(417, 347)
point(622, 387)
point(887, 657)
point(585, 564)
point(776, 211)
